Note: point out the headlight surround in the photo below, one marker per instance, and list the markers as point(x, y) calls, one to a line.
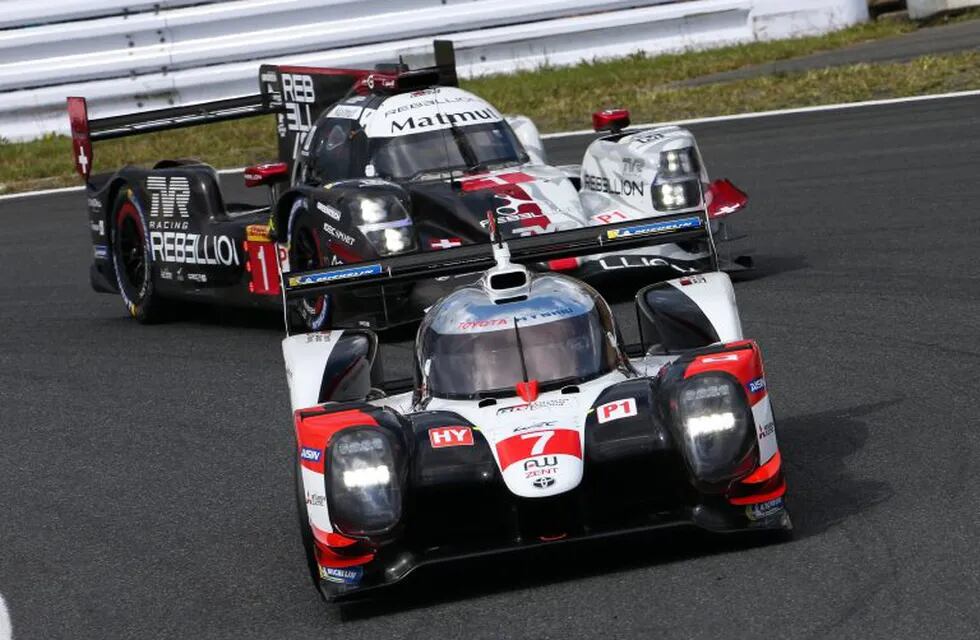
point(364, 490)
point(679, 163)
point(385, 223)
point(674, 195)
point(714, 424)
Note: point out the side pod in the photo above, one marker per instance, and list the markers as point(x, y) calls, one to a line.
point(329, 366)
point(688, 313)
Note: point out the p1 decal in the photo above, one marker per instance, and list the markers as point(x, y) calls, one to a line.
point(450, 437)
point(615, 410)
point(311, 454)
point(538, 443)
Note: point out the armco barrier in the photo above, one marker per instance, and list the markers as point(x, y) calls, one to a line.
point(921, 9)
point(173, 54)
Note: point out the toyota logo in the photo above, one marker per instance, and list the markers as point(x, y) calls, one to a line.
point(543, 483)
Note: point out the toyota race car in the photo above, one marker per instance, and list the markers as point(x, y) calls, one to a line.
point(528, 422)
point(373, 164)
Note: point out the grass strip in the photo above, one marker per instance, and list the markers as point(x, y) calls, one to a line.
point(558, 99)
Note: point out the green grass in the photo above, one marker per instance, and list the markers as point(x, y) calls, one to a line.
point(559, 99)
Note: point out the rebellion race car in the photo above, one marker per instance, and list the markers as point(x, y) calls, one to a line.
point(377, 163)
point(528, 422)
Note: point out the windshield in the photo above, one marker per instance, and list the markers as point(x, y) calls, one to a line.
point(421, 154)
point(478, 359)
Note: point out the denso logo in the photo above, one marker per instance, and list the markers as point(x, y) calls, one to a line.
point(311, 454)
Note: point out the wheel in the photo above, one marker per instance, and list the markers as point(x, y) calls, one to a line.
point(132, 259)
point(303, 519)
point(305, 253)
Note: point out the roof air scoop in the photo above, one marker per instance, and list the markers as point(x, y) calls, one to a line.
point(505, 281)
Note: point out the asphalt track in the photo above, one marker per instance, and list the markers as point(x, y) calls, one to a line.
point(145, 483)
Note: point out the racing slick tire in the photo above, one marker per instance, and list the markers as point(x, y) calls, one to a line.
point(306, 252)
point(306, 535)
point(132, 259)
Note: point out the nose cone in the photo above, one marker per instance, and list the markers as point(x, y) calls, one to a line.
point(541, 463)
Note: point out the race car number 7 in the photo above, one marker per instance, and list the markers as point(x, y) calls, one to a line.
point(543, 437)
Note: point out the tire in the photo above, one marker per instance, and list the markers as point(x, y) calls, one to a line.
point(306, 535)
point(305, 253)
point(132, 259)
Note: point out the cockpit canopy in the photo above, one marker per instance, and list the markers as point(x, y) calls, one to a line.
point(471, 347)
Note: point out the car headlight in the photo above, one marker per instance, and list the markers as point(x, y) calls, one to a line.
point(712, 418)
point(385, 223)
point(678, 194)
point(363, 487)
point(678, 163)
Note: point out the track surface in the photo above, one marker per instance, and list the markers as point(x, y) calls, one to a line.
point(145, 484)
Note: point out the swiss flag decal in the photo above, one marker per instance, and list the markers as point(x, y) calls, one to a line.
point(450, 437)
point(615, 410)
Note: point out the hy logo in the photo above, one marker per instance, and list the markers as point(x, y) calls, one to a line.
point(167, 195)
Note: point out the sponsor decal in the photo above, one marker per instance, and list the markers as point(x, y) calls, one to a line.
point(166, 274)
point(318, 337)
point(504, 218)
point(631, 262)
point(614, 186)
point(439, 100)
point(693, 222)
point(340, 274)
point(328, 210)
point(468, 325)
point(649, 136)
point(258, 233)
point(192, 248)
point(297, 94)
point(537, 425)
point(347, 111)
point(767, 430)
point(688, 281)
point(346, 575)
point(757, 385)
point(316, 500)
point(168, 196)
point(412, 124)
point(616, 410)
point(542, 466)
point(728, 357)
point(94, 205)
point(764, 510)
point(543, 483)
point(444, 243)
point(609, 218)
point(337, 234)
point(540, 404)
point(633, 165)
point(197, 277)
point(450, 437)
point(98, 227)
point(101, 252)
point(311, 454)
point(549, 442)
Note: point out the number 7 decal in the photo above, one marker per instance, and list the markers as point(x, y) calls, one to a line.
point(542, 436)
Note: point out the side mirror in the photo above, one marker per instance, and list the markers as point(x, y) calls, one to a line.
point(266, 174)
point(724, 198)
point(612, 120)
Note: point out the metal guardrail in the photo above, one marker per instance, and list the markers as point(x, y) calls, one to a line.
point(154, 55)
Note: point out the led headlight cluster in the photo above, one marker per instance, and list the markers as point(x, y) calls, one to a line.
point(363, 486)
point(386, 225)
point(678, 180)
point(713, 421)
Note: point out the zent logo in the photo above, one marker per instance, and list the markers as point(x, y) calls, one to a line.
point(167, 194)
point(311, 454)
point(615, 410)
point(451, 437)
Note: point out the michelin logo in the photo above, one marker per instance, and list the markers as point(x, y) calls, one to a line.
point(655, 227)
point(330, 276)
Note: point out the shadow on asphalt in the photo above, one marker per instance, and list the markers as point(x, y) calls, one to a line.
point(823, 494)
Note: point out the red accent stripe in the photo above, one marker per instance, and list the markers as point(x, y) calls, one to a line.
point(766, 471)
point(518, 447)
point(315, 431)
point(326, 557)
point(760, 497)
point(563, 264)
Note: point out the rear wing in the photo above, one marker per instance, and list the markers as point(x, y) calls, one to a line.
point(479, 257)
point(296, 95)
